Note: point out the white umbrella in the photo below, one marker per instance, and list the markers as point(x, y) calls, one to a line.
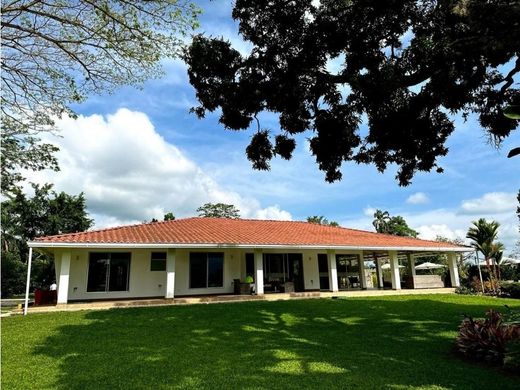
point(429, 265)
point(510, 261)
point(387, 266)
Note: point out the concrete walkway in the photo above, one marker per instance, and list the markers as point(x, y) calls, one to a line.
point(104, 305)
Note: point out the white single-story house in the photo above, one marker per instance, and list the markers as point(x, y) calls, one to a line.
point(203, 256)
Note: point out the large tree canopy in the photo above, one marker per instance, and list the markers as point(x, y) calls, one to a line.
point(218, 210)
point(55, 53)
point(397, 226)
point(24, 218)
point(405, 67)
point(321, 220)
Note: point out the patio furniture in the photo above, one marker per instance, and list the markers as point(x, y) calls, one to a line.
point(288, 287)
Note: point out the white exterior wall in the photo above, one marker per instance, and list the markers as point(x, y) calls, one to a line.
point(142, 282)
point(146, 283)
point(182, 272)
point(311, 274)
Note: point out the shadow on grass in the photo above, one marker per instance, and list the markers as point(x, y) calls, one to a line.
point(345, 343)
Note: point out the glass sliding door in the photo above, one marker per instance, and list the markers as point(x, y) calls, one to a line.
point(108, 272)
point(206, 269)
point(215, 269)
point(296, 271)
point(348, 272)
point(323, 269)
point(282, 268)
point(119, 271)
point(97, 272)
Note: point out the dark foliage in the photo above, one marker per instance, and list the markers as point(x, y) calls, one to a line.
point(486, 339)
point(218, 210)
point(23, 219)
point(397, 225)
point(512, 357)
point(13, 274)
point(510, 289)
point(405, 66)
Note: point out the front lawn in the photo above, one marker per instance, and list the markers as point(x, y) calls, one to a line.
point(394, 342)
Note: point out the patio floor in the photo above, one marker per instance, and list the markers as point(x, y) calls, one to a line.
point(206, 299)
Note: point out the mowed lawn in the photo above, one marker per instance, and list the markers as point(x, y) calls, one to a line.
point(396, 342)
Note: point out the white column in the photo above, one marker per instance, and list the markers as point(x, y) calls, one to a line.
point(411, 267)
point(63, 280)
point(29, 263)
point(170, 273)
point(379, 273)
point(394, 270)
point(259, 271)
point(362, 273)
point(454, 270)
point(333, 271)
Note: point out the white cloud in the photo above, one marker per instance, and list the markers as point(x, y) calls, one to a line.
point(431, 232)
point(418, 198)
point(129, 173)
point(490, 203)
point(274, 213)
point(369, 211)
point(449, 223)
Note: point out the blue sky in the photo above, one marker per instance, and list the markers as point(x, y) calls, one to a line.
point(139, 152)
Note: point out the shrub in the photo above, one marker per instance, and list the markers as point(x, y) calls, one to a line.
point(510, 289)
point(512, 356)
point(465, 291)
point(491, 287)
point(486, 339)
point(13, 273)
point(510, 272)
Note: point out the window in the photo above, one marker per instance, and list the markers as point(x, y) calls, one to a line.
point(206, 270)
point(323, 263)
point(108, 272)
point(158, 261)
point(250, 264)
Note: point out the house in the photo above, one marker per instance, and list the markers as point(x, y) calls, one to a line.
point(202, 256)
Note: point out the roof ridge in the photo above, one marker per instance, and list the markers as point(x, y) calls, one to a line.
point(113, 228)
point(161, 230)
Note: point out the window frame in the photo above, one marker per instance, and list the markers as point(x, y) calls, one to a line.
point(152, 261)
point(107, 275)
point(207, 256)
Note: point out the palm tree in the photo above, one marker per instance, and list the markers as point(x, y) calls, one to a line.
point(497, 251)
point(381, 219)
point(483, 235)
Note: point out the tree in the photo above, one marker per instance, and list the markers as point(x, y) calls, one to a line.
point(396, 226)
point(513, 112)
point(323, 67)
point(169, 216)
point(25, 218)
point(483, 235)
point(56, 53)
point(218, 210)
point(321, 220)
point(380, 222)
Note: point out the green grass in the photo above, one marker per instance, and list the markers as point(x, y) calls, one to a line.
point(401, 342)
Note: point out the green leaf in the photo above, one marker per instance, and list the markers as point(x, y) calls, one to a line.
point(512, 112)
point(514, 152)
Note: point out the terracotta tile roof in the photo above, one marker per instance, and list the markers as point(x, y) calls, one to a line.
point(239, 232)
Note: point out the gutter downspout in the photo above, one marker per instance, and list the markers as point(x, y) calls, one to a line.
point(29, 263)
